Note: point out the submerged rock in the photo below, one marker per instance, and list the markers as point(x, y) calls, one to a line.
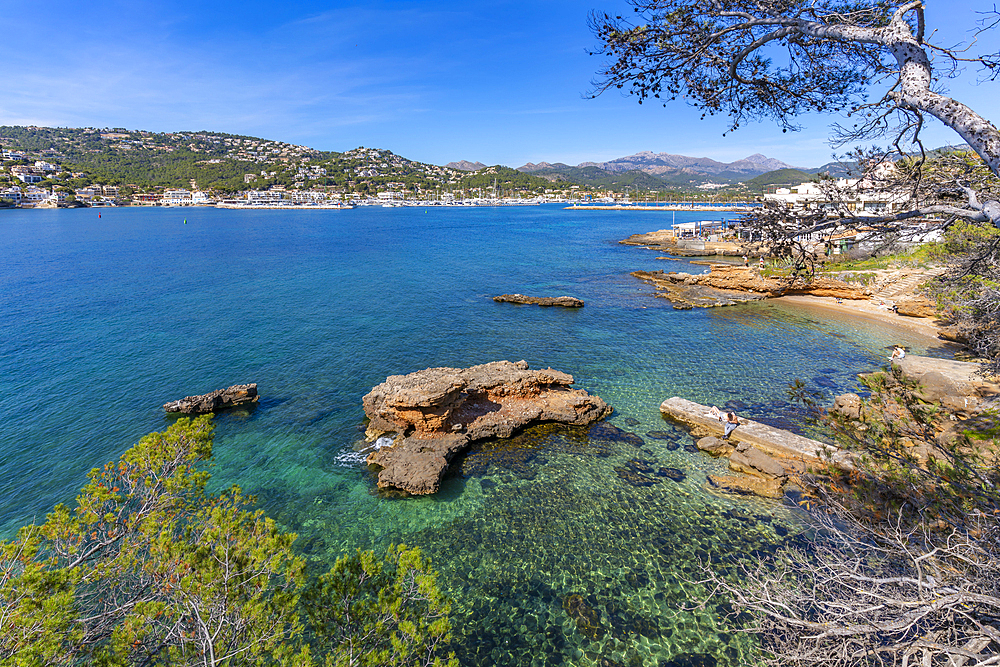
point(563, 301)
point(437, 412)
point(220, 399)
point(675, 474)
point(611, 433)
point(588, 621)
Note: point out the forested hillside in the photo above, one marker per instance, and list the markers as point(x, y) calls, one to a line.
point(227, 163)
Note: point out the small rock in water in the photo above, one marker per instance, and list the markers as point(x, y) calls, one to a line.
point(564, 301)
point(630, 476)
point(675, 474)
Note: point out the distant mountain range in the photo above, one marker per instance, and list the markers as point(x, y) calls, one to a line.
point(666, 163)
point(465, 165)
point(648, 170)
point(668, 167)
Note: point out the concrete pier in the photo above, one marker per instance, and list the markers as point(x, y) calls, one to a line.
point(775, 442)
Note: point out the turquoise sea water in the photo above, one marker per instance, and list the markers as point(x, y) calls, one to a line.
point(102, 320)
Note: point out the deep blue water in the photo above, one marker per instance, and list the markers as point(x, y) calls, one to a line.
point(102, 320)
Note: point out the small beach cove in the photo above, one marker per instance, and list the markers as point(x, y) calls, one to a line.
point(554, 554)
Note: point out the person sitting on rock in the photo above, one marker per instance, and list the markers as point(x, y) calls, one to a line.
point(732, 421)
point(897, 353)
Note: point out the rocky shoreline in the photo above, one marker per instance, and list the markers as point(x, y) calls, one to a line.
point(887, 296)
point(726, 285)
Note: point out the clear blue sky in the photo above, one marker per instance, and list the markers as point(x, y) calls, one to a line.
point(432, 80)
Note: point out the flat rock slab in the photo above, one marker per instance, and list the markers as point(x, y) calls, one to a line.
point(436, 413)
point(963, 374)
point(773, 441)
point(563, 301)
point(220, 399)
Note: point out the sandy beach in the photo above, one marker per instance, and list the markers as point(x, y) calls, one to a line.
point(865, 309)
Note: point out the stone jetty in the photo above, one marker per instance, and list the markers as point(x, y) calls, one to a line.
point(766, 454)
point(220, 399)
point(434, 414)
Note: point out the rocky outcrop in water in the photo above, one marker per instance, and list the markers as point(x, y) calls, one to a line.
point(220, 399)
point(726, 285)
point(563, 301)
point(436, 413)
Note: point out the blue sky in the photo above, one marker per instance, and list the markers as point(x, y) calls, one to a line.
point(502, 82)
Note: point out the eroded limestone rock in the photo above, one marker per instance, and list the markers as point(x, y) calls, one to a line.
point(437, 412)
point(220, 399)
point(848, 405)
point(918, 306)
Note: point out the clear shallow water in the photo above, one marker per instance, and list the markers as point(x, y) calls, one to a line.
point(104, 320)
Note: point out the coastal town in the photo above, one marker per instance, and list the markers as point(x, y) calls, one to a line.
point(59, 168)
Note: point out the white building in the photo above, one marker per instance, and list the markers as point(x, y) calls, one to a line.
point(34, 196)
point(844, 195)
point(13, 194)
point(26, 174)
point(178, 197)
point(306, 196)
point(262, 196)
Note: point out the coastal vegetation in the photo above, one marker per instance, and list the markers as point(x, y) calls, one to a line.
point(902, 568)
point(149, 569)
point(902, 565)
